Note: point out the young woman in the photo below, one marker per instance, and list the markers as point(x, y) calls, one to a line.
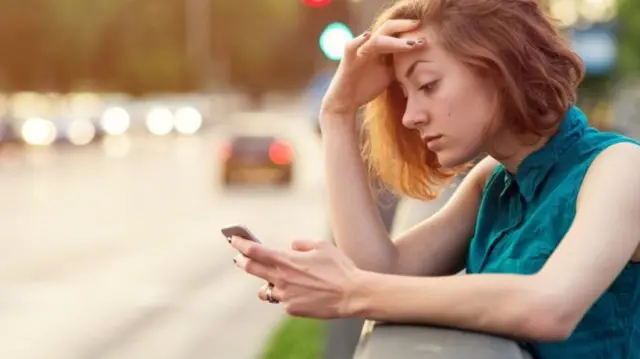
point(547, 225)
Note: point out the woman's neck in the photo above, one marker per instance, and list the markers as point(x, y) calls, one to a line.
point(511, 151)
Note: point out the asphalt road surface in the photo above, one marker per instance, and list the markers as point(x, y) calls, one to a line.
point(114, 251)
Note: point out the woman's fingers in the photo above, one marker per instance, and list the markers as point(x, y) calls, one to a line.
point(397, 26)
point(383, 45)
point(259, 252)
point(384, 40)
point(354, 44)
point(255, 268)
point(263, 293)
point(305, 245)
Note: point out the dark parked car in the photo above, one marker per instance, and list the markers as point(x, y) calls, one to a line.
point(257, 159)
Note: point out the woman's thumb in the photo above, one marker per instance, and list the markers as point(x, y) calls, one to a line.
point(303, 245)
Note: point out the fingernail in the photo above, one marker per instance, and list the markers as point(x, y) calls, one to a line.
point(411, 42)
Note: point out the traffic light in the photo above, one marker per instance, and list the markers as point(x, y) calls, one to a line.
point(333, 39)
point(325, 23)
point(316, 3)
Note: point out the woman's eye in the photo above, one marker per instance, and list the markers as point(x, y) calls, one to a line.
point(429, 87)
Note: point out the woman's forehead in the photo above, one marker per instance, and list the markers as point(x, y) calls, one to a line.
point(403, 60)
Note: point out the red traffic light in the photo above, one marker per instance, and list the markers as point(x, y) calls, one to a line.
point(316, 3)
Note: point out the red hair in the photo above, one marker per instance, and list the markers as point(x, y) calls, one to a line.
point(513, 43)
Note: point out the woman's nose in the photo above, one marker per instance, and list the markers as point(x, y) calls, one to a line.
point(414, 117)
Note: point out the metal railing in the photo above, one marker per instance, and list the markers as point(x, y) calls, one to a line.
point(384, 341)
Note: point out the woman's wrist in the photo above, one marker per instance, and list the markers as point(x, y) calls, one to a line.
point(359, 294)
point(337, 118)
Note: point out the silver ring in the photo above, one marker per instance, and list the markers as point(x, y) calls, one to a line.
point(269, 295)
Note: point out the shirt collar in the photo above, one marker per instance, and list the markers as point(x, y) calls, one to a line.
point(535, 167)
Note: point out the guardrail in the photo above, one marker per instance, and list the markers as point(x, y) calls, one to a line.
point(384, 341)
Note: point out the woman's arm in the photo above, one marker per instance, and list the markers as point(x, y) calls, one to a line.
point(357, 226)
point(546, 306)
point(437, 246)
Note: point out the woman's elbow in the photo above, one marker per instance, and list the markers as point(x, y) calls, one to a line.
point(545, 318)
point(546, 327)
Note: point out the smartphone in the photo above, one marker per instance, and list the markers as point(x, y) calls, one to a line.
point(239, 231)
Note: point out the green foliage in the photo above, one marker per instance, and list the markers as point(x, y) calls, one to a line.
point(259, 43)
point(140, 46)
point(59, 45)
point(297, 338)
point(629, 16)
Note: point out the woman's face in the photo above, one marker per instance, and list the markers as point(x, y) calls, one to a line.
point(450, 106)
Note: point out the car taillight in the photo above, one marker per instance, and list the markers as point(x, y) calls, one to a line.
point(280, 153)
point(225, 151)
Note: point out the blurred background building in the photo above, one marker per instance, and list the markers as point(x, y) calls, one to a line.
point(602, 33)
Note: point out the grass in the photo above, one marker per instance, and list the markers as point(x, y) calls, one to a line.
point(297, 338)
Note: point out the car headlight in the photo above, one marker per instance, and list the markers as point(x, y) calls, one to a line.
point(188, 121)
point(159, 121)
point(38, 132)
point(81, 132)
point(115, 121)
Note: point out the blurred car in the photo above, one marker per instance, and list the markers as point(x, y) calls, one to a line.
point(158, 116)
point(257, 159)
point(8, 132)
point(36, 131)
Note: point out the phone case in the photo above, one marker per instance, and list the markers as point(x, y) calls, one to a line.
point(239, 231)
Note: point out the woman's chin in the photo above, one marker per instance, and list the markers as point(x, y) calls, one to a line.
point(450, 159)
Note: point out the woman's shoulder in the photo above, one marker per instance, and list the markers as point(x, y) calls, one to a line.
point(484, 169)
point(619, 163)
point(607, 166)
point(600, 147)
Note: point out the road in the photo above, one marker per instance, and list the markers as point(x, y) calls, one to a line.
point(114, 251)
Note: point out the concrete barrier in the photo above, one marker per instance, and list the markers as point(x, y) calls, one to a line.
point(383, 341)
point(343, 334)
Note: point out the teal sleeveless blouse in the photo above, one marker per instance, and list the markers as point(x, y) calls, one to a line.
point(523, 218)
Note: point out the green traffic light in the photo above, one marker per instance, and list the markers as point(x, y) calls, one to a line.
point(333, 39)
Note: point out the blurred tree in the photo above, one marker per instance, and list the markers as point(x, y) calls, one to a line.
point(258, 46)
point(63, 45)
point(23, 25)
point(629, 16)
point(596, 91)
point(141, 48)
point(48, 45)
